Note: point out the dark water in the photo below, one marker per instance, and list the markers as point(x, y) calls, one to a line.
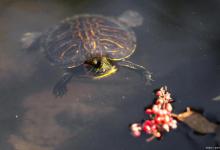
point(179, 42)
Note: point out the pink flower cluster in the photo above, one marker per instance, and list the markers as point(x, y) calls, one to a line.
point(160, 117)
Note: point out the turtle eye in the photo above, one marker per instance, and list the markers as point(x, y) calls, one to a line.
point(95, 61)
point(97, 64)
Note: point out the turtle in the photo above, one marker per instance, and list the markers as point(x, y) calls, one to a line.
point(98, 43)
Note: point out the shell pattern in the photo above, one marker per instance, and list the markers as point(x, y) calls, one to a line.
point(77, 39)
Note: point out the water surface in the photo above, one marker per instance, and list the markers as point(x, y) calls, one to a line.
point(178, 42)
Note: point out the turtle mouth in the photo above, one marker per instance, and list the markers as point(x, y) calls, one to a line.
point(106, 73)
point(100, 67)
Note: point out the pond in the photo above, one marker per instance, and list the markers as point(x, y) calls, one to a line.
point(179, 42)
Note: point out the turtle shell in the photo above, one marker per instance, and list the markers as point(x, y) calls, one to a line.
point(77, 39)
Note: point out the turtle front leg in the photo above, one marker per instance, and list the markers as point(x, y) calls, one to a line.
point(60, 88)
point(146, 73)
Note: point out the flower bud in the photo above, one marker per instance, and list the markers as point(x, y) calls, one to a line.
point(153, 128)
point(174, 121)
point(147, 122)
point(148, 111)
point(136, 133)
point(164, 112)
point(158, 93)
point(157, 134)
point(167, 96)
point(147, 126)
point(169, 107)
point(166, 118)
point(153, 122)
point(147, 129)
point(155, 109)
point(136, 127)
point(166, 127)
point(159, 101)
point(160, 112)
point(173, 125)
point(158, 120)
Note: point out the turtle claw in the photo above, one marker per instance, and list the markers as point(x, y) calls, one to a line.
point(59, 90)
point(147, 77)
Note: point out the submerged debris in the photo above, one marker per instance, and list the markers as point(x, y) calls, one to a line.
point(196, 121)
point(217, 98)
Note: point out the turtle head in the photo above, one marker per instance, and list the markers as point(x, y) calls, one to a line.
point(100, 67)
